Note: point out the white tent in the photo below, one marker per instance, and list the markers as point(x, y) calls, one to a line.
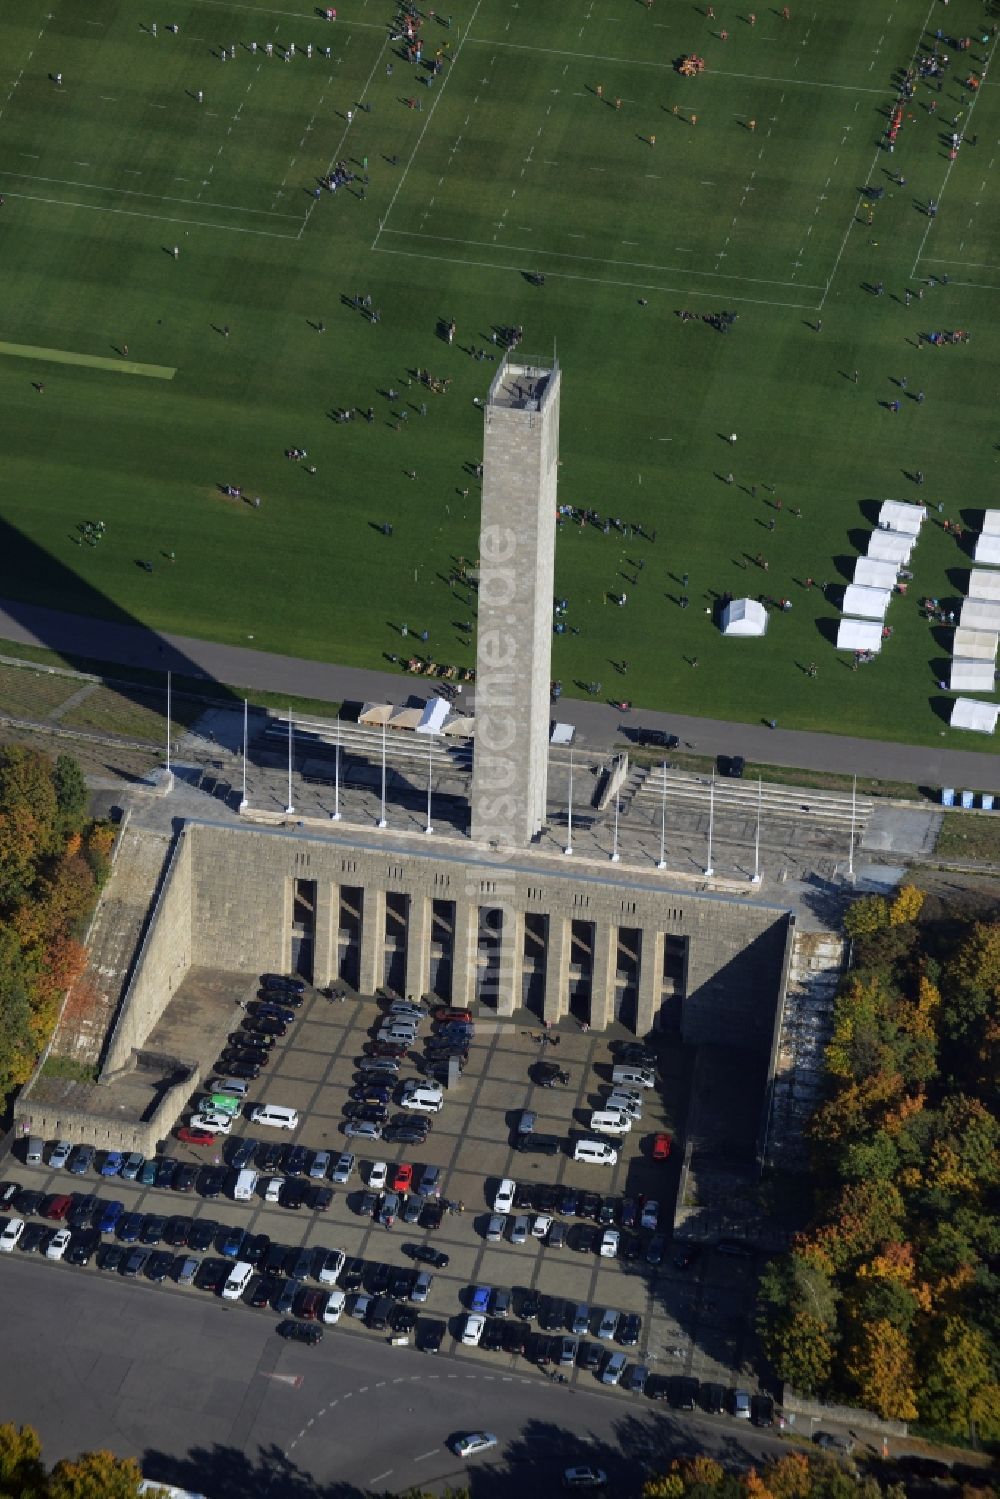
point(375, 714)
point(988, 549)
point(890, 546)
point(984, 584)
point(974, 645)
point(434, 715)
point(980, 614)
point(971, 676)
point(870, 603)
point(744, 617)
point(859, 635)
point(405, 718)
point(896, 515)
point(991, 523)
point(872, 574)
point(968, 713)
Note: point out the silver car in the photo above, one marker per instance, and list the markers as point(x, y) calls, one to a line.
point(343, 1168)
point(608, 1325)
point(420, 1289)
point(519, 1229)
point(495, 1228)
point(60, 1154)
point(319, 1165)
point(614, 1368)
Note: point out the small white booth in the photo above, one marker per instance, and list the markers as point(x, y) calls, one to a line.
point(897, 515)
point(872, 574)
point(859, 635)
point(991, 523)
point(974, 645)
point(432, 719)
point(969, 713)
point(972, 676)
point(987, 552)
point(980, 614)
point(984, 584)
point(869, 603)
point(744, 617)
point(890, 546)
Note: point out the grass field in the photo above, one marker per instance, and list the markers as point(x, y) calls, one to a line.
point(515, 163)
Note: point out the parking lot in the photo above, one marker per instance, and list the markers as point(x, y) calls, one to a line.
point(695, 1317)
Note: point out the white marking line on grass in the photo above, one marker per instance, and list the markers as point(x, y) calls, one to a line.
point(159, 218)
point(973, 265)
point(592, 281)
point(292, 15)
point(341, 144)
point(129, 192)
point(668, 67)
point(430, 115)
point(595, 259)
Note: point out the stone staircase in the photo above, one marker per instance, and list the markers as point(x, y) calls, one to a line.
point(814, 972)
point(115, 936)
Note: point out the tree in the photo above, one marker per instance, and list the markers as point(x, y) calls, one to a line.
point(71, 795)
point(22, 1474)
point(959, 1387)
point(971, 981)
point(95, 1475)
point(866, 916)
point(882, 1368)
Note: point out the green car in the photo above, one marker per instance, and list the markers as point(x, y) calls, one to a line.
point(218, 1103)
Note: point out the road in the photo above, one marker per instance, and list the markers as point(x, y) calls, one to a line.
point(207, 1396)
point(596, 722)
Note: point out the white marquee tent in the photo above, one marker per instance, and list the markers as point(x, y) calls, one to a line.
point(744, 617)
point(859, 635)
point(890, 546)
point(968, 713)
point(872, 574)
point(980, 614)
point(974, 645)
point(896, 515)
point(434, 715)
point(984, 584)
point(869, 603)
point(991, 523)
point(988, 549)
point(971, 676)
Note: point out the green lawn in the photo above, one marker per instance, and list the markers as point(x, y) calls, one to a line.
point(513, 164)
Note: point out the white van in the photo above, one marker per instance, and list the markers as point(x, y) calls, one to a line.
point(595, 1152)
point(246, 1186)
point(628, 1103)
point(239, 1278)
point(610, 1122)
point(634, 1077)
point(274, 1115)
point(421, 1100)
point(398, 1035)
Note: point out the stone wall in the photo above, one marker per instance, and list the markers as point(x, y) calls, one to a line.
point(163, 960)
point(108, 1131)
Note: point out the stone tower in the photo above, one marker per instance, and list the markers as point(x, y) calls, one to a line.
point(516, 580)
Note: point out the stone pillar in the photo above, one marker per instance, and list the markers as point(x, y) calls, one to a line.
point(511, 961)
point(372, 964)
point(650, 995)
point(418, 946)
point(556, 1002)
point(325, 940)
point(463, 964)
point(602, 985)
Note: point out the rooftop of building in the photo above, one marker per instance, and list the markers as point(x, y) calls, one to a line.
point(522, 386)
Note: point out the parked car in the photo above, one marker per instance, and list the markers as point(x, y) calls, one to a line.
point(61, 1152)
point(661, 1146)
point(309, 1333)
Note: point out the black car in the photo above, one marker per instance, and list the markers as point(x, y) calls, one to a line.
point(655, 1250)
point(377, 1280)
point(431, 1215)
point(629, 1247)
point(365, 1203)
point(658, 1387)
point(427, 1256)
point(655, 738)
point(166, 1170)
point(294, 1194)
point(257, 1040)
point(259, 1292)
point(82, 1246)
point(153, 1225)
point(201, 1234)
point(430, 1335)
point(300, 1332)
point(288, 1293)
point(82, 1212)
point(415, 1121)
point(543, 1350)
point(264, 1025)
point(589, 1356)
point(524, 1195)
point(629, 1329)
point(274, 1259)
point(713, 1399)
point(285, 983)
point(239, 1151)
point(552, 1313)
point(608, 1212)
point(212, 1275)
point(687, 1255)
point(135, 1263)
point(684, 1392)
point(368, 1113)
point(239, 1056)
point(629, 1212)
point(528, 1304)
point(413, 1206)
point(269, 1157)
point(547, 1198)
point(633, 1054)
point(590, 1205)
point(379, 1311)
point(158, 1265)
point(294, 1160)
point(352, 1273)
point(515, 1336)
point(28, 1202)
point(404, 1134)
point(492, 1338)
point(248, 1071)
point(762, 1410)
point(583, 1238)
point(569, 1202)
point(300, 1263)
point(255, 1248)
point(185, 1177)
point(402, 1319)
point(212, 1181)
point(401, 1283)
point(176, 1232)
point(320, 1197)
point(270, 1008)
point(731, 765)
point(111, 1256)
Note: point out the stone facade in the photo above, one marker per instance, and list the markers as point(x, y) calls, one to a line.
point(514, 632)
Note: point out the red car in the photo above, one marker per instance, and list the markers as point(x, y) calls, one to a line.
point(56, 1206)
point(661, 1147)
point(402, 1177)
point(196, 1136)
point(445, 1012)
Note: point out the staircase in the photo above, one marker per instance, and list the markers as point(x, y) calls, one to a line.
point(814, 973)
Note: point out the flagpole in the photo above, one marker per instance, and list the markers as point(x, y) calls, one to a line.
point(430, 746)
point(663, 818)
point(244, 803)
point(850, 853)
point(756, 841)
point(291, 806)
point(569, 810)
point(615, 856)
point(709, 871)
point(382, 823)
point(335, 814)
point(168, 721)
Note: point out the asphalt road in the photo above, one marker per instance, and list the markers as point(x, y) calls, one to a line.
point(207, 1396)
point(597, 722)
